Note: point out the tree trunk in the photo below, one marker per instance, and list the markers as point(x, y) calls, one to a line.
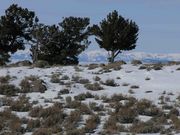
point(111, 57)
point(34, 53)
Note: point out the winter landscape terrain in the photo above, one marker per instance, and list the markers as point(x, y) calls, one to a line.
point(116, 98)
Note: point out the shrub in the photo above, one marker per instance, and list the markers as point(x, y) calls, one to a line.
point(93, 106)
point(33, 124)
point(4, 79)
point(145, 107)
point(84, 81)
point(125, 84)
point(72, 120)
point(75, 132)
point(96, 78)
point(84, 109)
point(10, 123)
point(174, 111)
point(55, 78)
point(116, 65)
point(111, 126)
point(95, 86)
point(32, 84)
point(68, 99)
point(80, 97)
point(41, 64)
point(76, 78)
point(42, 131)
point(65, 77)
point(147, 78)
point(126, 115)
point(110, 82)
point(146, 127)
point(136, 62)
point(117, 98)
point(134, 87)
point(131, 91)
point(8, 89)
point(83, 96)
point(21, 105)
point(143, 67)
point(157, 67)
point(176, 122)
point(92, 123)
point(92, 66)
point(77, 69)
point(74, 104)
point(52, 117)
point(63, 91)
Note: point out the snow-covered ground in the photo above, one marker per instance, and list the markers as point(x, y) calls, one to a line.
point(149, 84)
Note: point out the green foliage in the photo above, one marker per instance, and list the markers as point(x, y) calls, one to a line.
point(63, 43)
point(116, 34)
point(15, 29)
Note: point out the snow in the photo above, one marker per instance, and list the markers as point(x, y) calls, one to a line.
point(167, 79)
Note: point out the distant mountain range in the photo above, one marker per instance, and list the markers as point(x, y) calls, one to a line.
point(101, 56)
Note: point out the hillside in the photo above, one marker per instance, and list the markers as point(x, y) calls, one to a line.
point(90, 99)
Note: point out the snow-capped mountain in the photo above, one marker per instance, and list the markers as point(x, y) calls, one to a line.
point(101, 56)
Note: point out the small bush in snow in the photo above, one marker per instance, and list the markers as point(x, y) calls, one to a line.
point(92, 123)
point(33, 124)
point(83, 96)
point(8, 89)
point(176, 122)
point(41, 64)
point(68, 99)
point(146, 127)
point(55, 78)
point(95, 86)
point(145, 107)
point(125, 84)
point(134, 87)
point(63, 91)
point(84, 81)
point(136, 62)
point(5, 79)
point(65, 77)
point(110, 82)
point(76, 78)
point(21, 104)
point(42, 131)
point(10, 124)
point(147, 78)
point(32, 84)
point(92, 66)
point(131, 91)
point(96, 78)
point(126, 115)
point(111, 126)
point(72, 120)
point(143, 67)
point(95, 107)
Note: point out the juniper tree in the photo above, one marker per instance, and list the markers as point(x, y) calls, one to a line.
point(116, 34)
point(15, 29)
point(63, 43)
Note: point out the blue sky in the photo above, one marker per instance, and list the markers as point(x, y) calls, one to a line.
point(158, 20)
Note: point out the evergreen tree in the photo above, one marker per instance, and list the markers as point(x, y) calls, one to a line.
point(15, 29)
point(63, 43)
point(116, 34)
